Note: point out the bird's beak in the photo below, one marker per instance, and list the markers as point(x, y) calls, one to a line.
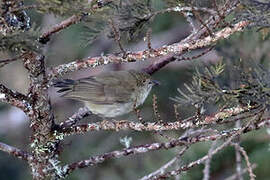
point(155, 82)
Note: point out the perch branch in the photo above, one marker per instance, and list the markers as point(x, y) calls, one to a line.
point(82, 112)
point(224, 116)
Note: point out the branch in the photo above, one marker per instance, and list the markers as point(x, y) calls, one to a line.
point(238, 157)
point(206, 157)
point(116, 125)
point(139, 150)
point(206, 170)
point(170, 50)
point(244, 153)
point(235, 176)
point(15, 152)
point(15, 98)
point(82, 112)
point(186, 140)
point(45, 37)
point(165, 166)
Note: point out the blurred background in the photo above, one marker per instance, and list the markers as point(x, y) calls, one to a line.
point(167, 28)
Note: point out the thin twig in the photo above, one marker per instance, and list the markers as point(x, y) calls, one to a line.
point(244, 153)
point(15, 98)
point(235, 176)
point(164, 167)
point(206, 170)
point(238, 155)
point(117, 36)
point(45, 37)
point(15, 152)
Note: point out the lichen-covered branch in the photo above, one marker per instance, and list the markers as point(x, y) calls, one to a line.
point(43, 143)
point(225, 116)
point(206, 157)
point(15, 98)
point(174, 49)
point(82, 112)
point(184, 140)
point(15, 152)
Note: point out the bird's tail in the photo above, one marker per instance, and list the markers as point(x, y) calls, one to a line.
point(65, 85)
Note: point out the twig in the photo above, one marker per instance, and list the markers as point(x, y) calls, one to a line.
point(177, 114)
point(235, 176)
point(15, 99)
point(148, 38)
point(15, 152)
point(238, 155)
point(155, 109)
point(203, 159)
point(45, 37)
point(206, 170)
point(163, 168)
point(244, 153)
point(117, 36)
point(7, 61)
point(181, 58)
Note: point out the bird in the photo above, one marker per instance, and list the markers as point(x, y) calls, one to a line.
point(109, 94)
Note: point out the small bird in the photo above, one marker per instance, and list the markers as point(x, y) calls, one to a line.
point(109, 94)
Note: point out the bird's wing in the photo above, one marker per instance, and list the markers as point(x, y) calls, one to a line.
point(103, 89)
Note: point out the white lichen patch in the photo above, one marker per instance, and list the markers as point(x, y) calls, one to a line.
point(2, 96)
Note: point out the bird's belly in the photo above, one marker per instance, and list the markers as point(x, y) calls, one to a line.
point(110, 110)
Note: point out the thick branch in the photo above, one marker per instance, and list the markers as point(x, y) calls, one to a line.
point(15, 152)
point(174, 49)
